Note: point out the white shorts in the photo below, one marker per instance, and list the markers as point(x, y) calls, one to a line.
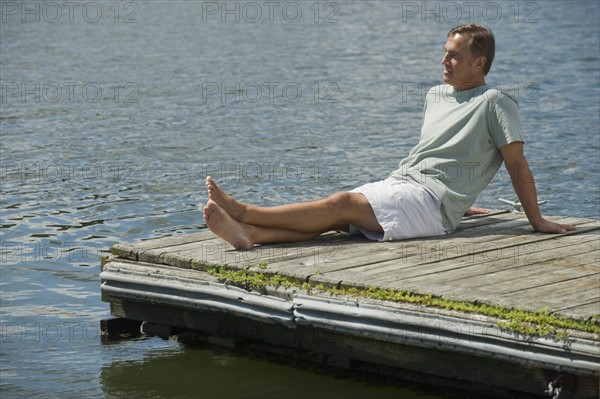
point(404, 209)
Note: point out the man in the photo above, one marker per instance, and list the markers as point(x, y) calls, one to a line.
point(468, 130)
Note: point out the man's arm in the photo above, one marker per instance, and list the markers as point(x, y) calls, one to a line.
point(522, 181)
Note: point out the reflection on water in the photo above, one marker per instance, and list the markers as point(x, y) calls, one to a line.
point(109, 126)
point(217, 373)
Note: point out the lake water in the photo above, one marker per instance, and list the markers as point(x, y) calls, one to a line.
point(113, 112)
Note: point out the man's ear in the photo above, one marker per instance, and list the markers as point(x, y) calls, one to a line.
point(480, 62)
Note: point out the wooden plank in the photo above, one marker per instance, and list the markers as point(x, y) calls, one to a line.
point(204, 248)
point(371, 259)
point(210, 251)
point(521, 255)
point(583, 310)
point(207, 249)
point(433, 257)
point(553, 297)
point(436, 281)
point(490, 287)
point(508, 268)
point(132, 250)
point(307, 254)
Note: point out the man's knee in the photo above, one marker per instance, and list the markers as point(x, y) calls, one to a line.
point(341, 203)
point(352, 208)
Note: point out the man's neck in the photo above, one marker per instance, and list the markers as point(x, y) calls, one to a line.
point(470, 86)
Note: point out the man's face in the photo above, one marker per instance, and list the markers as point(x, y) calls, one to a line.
point(461, 69)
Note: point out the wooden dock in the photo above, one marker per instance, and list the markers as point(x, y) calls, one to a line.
point(492, 308)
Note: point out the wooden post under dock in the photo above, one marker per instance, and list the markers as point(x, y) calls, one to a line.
point(439, 310)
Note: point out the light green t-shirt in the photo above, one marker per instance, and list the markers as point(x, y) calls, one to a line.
point(458, 153)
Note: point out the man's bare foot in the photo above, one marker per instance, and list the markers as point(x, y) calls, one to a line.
point(230, 205)
point(223, 225)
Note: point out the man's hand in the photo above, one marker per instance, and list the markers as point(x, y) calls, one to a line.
point(546, 226)
point(476, 211)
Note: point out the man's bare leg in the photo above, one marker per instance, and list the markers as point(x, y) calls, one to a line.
point(338, 209)
point(244, 236)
